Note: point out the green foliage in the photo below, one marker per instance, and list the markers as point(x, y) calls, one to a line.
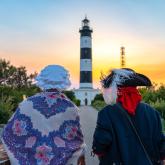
point(155, 96)
point(14, 83)
point(98, 104)
point(10, 98)
point(161, 92)
point(6, 107)
point(160, 106)
point(72, 97)
point(148, 95)
point(17, 93)
point(77, 102)
point(98, 97)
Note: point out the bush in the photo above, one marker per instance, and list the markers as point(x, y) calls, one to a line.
point(98, 104)
point(98, 97)
point(159, 105)
point(155, 96)
point(17, 93)
point(72, 97)
point(77, 102)
point(6, 107)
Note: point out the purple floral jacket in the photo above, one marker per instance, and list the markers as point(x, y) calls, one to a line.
point(44, 130)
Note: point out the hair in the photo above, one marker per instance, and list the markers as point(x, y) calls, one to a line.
point(106, 79)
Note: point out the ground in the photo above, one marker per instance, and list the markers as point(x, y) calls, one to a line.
point(88, 116)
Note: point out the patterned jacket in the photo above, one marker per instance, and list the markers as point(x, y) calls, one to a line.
point(45, 130)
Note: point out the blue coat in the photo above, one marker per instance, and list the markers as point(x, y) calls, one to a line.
point(116, 140)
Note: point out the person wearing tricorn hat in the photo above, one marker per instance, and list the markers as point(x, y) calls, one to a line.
point(128, 131)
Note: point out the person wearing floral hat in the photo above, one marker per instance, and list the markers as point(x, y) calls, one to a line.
point(128, 131)
point(45, 129)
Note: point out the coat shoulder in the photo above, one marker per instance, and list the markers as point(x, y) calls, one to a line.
point(147, 108)
point(107, 110)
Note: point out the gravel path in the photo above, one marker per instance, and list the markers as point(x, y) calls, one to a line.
point(88, 116)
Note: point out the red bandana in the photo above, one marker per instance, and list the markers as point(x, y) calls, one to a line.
point(129, 97)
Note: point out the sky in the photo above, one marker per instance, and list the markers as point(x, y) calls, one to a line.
point(36, 33)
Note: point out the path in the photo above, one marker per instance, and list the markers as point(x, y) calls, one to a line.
point(88, 117)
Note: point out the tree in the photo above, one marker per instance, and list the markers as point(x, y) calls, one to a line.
point(155, 96)
point(14, 83)
point(71, 96)
point(4, 70)
point(98, 97)
point(17, 93)
point(16, 77)
point(159, 105)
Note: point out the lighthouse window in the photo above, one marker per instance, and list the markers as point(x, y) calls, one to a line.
point(85, 93)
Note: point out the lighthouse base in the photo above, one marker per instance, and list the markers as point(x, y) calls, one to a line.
point(86, 95)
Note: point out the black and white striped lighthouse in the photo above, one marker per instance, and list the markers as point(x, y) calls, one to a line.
point(86, 93)
point(85, 55)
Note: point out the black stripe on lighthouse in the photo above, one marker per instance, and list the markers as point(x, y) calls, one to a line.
point(85, 77)
point(86, 53)
point(86, 32)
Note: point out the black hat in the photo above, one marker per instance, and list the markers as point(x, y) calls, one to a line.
point(125, 77)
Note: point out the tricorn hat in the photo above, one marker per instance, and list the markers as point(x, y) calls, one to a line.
point(125, 77)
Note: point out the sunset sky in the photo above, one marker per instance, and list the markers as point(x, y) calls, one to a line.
point(35, 33)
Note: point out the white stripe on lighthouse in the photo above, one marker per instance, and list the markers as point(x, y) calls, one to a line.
point(86, 85)
point(85, 42)
point(85, 65)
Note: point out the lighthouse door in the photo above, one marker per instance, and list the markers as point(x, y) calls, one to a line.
point(86, 101)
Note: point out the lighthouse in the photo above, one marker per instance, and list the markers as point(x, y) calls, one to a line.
point(86, 92)
point(85, 55)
